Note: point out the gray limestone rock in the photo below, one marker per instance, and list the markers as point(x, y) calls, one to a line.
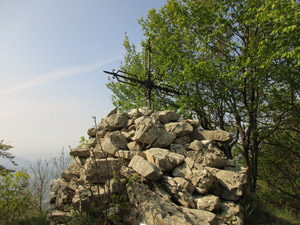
point(164, 138)
point(82, 152)
point(232, 182)
point(67, 176)
point(113, 142)
point(116, 186)
point(98, 170)
point(182, 140)
point(154, 209)
point(91, 142)
point(201, 216)
point(146, 130)
point(101, 133)
point(98, 152)
point(128, 135)
point(178, 148)
point(112, 112)
point(179, 128)
point(134, 146)
point(194, 123)
point(164, 159)
point(180, 189)
point(124, 154)
point(135, 113)
point(234, 211)
point(216, 135)
point(197, 145)
point(199, 176)
point(145, 111)
point(114, 122)
point(214, 158)
point(92, 132)
point(207, 155)
point(145, 168)
point(209, 203)
point(149, 131)
point(166, 116)
point(57, 184)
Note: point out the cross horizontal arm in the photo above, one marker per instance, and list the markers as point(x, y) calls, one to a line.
point(133, 79)
point(167, 89)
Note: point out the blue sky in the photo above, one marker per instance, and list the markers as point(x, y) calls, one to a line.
point(52, 56)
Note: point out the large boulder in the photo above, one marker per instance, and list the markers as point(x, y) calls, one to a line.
point(114, 122)
point(82, 151)
point(164, 159)
point(145, 168)
point(216, 135)
point(199, 176)
point(92, 132)
point(149, 131)
point(146, 130)
point(179, 128)
point(86, 196)
point(166, 116)
point(209, 203)
point(178, 148)
point(68, 176)
point(99, 170)
point(206, 154)
point(233, 211)
point(124, 154)
point(231, 183)
point(145, 111)
point(154, 209)
point(91, 142)
point(180, 189)
point(55, 186)
point(134, 146)
point(113, 142)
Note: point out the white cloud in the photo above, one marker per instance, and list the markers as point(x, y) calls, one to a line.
point(52, 76)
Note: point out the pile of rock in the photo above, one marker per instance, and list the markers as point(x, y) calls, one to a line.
point(186, 178)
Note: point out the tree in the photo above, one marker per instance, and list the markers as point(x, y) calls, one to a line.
point(14, 195)
point(236, 64)
point(5, 154)
point(42, 172)
point(59, 163)
point(280, 165)
point(40, 181)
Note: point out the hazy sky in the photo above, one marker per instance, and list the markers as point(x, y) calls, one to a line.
point(52, 54)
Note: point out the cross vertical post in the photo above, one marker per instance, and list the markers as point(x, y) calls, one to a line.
point(148, 83)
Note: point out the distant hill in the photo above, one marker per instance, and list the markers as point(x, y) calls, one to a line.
point(21, 163)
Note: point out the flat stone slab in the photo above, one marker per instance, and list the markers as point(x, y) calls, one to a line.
point(145, 168)
point(82, 152)
point(216, 135)
point(179, 128)
point(163, 158)
point(114, 122)
point(113, 142)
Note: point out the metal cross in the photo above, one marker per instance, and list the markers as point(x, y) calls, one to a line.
point(148, 83)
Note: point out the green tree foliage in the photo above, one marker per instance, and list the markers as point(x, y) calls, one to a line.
point(4, 148)
point(14, 197)
point(236, 64)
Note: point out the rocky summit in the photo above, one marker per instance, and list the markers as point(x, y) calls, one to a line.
point(181, 174)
